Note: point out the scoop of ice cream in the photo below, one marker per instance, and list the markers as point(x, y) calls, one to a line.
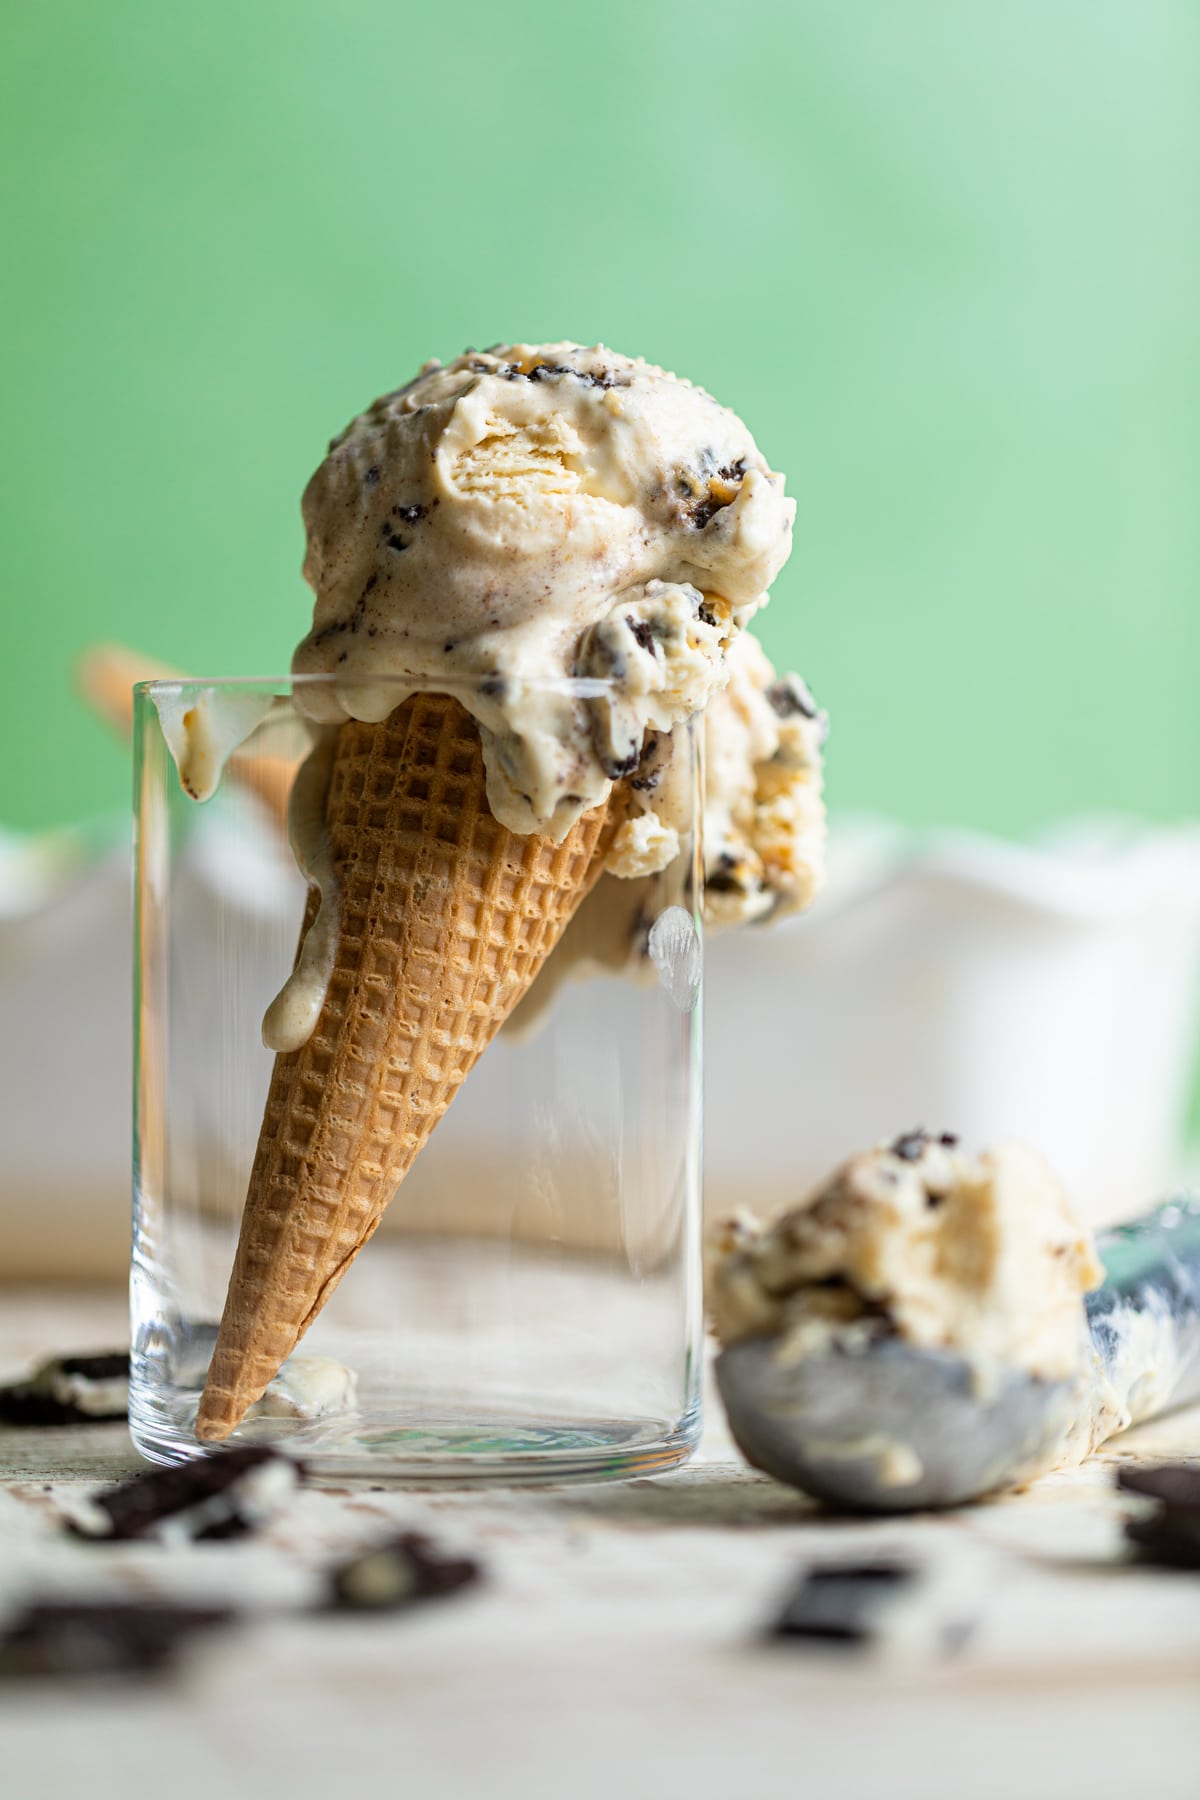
point(764, 816)
point(764, 827)
point(982, 1255)
point(527, 520)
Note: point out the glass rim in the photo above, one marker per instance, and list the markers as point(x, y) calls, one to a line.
point(573, 687)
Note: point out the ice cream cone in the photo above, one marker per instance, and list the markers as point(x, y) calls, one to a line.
point(445, 918)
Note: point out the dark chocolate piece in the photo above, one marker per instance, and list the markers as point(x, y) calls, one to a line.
point(841, 1602)
point(1160, 1539)
point(404, 1570)
point(1174, 1485)
point(41, 1400)
point(911, 1144)
point(83, 1637)
point(790, 696)
point(219, 1495)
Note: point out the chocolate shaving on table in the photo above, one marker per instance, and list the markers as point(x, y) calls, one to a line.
point(1169, 1533)
point(841, 1602)
point(399, 1572)
point(1175, 1485)
point(213, 1496)
point(34, 1401)
point(66, 1638)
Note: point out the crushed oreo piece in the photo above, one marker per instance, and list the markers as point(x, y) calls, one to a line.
point(409, 514)
point(1159, 1539)
point(74, 1637)
point(911, 1145)
point(1169, 1534)
point(544, 371)
point(841, 1602)
point(407, 1569)
point(224, 1494)
point(703, 510)
point(70, 1390)
point(1173, 1485)
point(725, 876)
point(791, 696)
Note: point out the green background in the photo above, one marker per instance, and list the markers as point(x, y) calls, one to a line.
point(942, 255)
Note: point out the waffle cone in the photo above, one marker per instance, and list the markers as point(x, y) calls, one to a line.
point(445, 918)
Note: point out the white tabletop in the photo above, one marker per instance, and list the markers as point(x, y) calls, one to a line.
point(616, 1645)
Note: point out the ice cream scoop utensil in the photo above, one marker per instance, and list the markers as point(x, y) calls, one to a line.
point(881, 1426)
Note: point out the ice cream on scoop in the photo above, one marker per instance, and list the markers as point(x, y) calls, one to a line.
point(981, 1255)
point(529, 567)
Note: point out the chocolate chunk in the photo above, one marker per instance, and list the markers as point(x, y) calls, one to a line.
point(704, 509)
point(641, 633)
point(602, 378)
point(24, 1404)
point(105, 1365)
point(912, 1144)
point(841, 1602)
point(617, 767)
point(724, 876)
point(1160, 1540)
point(80, 1637)
point(1174, 1485)
point(404, 1570)
point(409, 514)
point(372, 475)
point(790, 697)
point(224, 1494)
point(70, 1390)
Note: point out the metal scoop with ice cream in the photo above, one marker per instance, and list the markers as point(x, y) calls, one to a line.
point(966, 1356)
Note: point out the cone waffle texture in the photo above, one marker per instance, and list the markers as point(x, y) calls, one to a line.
point(445, 919)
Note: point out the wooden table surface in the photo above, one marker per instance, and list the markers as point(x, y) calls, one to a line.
point(616, 1646)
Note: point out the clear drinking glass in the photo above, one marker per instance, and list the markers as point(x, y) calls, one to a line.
point(530, 1307)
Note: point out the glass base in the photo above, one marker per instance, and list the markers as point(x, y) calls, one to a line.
point(455, 1447)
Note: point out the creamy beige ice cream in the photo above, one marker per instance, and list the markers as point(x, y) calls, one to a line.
point(764, 827)
point(528, 516)
point(981, 1255)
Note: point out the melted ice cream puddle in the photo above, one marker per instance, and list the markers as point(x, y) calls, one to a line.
point(308, 1387)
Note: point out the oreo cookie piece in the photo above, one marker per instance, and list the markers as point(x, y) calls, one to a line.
point(842, 1602)
point(85, 1637)
point(1163, 1539)
point(1169, 1533)
point(883, 1606)
point(1174, 1485)
point(222, 1495)
point(70, 1390)
point(404, 1570)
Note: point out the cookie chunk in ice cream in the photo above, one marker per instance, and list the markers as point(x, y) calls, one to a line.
point(982, 1255)
point(525, 516)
